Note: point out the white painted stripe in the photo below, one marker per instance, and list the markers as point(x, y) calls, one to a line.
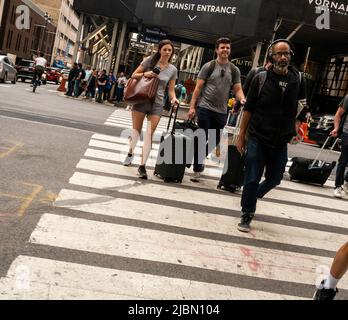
point(84, 179)
point(55, 280)
point(306, 199)
point(223, 200)
point(150, 245)
point(296, 186)
point(118, 148)
point(112, 139)
point(123, 146)
point(128, 117)
point(120, 156)
point(191, 219)
point(112, 168)
point(130, 123)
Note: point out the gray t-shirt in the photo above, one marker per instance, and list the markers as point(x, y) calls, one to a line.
point(345, 107)
point(166, 75)
point(217, 88)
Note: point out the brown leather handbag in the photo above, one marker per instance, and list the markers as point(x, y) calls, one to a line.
point(143, 90)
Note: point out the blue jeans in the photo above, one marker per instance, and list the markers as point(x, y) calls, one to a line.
point(342, 162)
point(259, 158)
point(77, 88)
point(208, 120)
point(119, 94)
point(71, 86)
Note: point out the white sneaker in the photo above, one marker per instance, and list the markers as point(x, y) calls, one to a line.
point(196, 177)
point(338, 192)
point(345, 187)
point(128, 161)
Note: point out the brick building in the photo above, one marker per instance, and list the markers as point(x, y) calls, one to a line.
point(67, 22)
point(24, 43)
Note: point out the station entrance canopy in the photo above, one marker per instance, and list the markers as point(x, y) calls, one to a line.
point(205, 20)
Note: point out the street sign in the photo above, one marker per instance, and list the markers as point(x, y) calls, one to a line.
point(154, 35)
point(238, 17)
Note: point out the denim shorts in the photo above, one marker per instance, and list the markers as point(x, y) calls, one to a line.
point(149, 109)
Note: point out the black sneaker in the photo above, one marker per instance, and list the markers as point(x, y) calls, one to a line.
point(325, 294)
point(142, 173)
point(244, 225)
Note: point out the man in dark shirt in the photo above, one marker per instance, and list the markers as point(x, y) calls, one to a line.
point(80, 75)
point(270, 119)
point(103, 78)
point(71, 80)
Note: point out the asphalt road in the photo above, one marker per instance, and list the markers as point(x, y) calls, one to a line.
point(42, 137)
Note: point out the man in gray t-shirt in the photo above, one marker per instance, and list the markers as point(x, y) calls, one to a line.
point(341, 114)
point(210, 100)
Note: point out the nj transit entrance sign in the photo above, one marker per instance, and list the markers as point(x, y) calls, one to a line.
point(239, 17)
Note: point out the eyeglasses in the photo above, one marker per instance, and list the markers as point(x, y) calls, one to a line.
point(286, 54)
point(222, 73)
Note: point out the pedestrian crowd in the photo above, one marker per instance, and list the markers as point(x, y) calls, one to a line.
point(267, 107)
point(95, 85)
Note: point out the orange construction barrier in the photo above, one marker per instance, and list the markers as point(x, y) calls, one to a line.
point(306, 132)
point(62, 85)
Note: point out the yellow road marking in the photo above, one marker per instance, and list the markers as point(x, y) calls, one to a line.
point(16, 146)
point(11, 196)
point(29, 199)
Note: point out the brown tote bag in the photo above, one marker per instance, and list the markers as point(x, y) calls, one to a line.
point(143, 90)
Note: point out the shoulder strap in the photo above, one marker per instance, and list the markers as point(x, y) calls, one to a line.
point(262, 79)
point(211, 68)
point(233, 67)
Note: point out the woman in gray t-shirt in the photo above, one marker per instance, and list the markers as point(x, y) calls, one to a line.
point(168, 75)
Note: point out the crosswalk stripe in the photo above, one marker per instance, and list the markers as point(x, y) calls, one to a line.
point(194, 220)
point(159, 246)
point(58, 280)
point(120, 156)
point(129, 123)
point(205, 198)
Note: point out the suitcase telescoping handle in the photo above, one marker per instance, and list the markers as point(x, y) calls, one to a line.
point(175, 118)
point(323, 148)
point(238, 124)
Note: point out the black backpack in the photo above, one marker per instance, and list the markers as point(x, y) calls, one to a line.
point(343, 119)
point(178, 91)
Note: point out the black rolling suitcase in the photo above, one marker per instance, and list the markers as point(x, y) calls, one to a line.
point(312, 170)
point(234, 167)
point(175, 153)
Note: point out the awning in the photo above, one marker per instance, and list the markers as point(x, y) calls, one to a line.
point(246, 22)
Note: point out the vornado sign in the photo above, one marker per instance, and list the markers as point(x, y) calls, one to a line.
point(224, 16)
point(334, 6)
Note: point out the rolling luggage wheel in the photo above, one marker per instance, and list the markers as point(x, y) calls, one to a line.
point(219, 187)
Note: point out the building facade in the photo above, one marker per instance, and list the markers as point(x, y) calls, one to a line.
point(24, 36)
point(67, 22)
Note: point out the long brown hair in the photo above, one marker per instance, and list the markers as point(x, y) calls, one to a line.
point(157, 56)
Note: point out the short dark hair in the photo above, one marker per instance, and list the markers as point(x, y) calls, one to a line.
point(223, 40)
point(80, 65)
point(41, 54)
